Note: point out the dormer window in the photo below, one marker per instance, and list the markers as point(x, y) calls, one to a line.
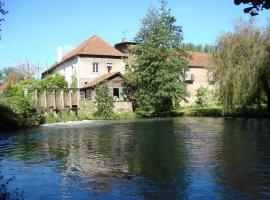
point(95, 68)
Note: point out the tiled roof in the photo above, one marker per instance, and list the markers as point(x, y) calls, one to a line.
point(94, 46)
point(198, 59)
point(98, 80)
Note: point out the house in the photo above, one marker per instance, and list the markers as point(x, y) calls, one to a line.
point(90, 61)
point(198, 75)
point(94, 61)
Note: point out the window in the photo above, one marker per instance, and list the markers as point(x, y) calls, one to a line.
point(95, 67)
point(109, 67)
point(116, 92)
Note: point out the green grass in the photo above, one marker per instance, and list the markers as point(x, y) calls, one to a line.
point(216, 111)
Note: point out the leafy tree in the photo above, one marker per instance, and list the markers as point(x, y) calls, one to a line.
point(54, 81)
point(104, 101)
point(23, 72)
point(193, 47)
point(241, 65)
point(2, 12)
point(255, 5)
point(152, 81)
point(10, 75)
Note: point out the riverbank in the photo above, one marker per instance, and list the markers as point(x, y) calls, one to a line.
point(216, 111)
point(195, 111)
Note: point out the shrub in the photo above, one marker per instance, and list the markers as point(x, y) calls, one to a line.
point(53, 81)
point(206, 97)
point(17, 110)
point(104, 101)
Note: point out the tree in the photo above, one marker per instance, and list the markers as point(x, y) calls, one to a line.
point(10, 75)
point(255, 5)
point(2, 13)
point(55, 80)
point(104, 101)
point(193, 47)
point(25, 71)
point(241, 65)
point(153, 81)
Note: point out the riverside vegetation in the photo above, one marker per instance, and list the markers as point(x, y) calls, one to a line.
point(152, 82)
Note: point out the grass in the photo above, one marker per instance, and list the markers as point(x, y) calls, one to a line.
point(216, 111)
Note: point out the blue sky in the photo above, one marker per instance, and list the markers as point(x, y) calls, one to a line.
point(34, 28)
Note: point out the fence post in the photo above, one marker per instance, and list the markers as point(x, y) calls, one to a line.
point(78, 98)
point(45, 99)
point(54, 103)
point(62, 99)
point(36, 97)
point(70, 100)
point(25, 92)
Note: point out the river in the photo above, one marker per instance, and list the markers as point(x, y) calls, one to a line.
point(173, 158)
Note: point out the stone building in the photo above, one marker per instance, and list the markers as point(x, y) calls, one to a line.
point(94, 61)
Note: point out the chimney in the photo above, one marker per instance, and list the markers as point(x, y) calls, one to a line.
point(59, 53)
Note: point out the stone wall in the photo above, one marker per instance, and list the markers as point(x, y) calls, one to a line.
point(122, 106)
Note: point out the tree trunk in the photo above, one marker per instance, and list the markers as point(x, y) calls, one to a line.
point(266, 89)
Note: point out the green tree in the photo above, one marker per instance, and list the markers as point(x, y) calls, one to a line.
point(152, 81)
point(240, 65)
point(104, 101)
point(2, 13)
point(10, 75)
point(254, 5)
point(53, 81)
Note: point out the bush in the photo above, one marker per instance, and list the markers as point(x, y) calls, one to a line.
point(206, 97)
point(16, 110)
point(104, 101)
point(53, 81)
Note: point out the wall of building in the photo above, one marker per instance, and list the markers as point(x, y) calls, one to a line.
point(68, 69)
point(86, 67)
point(200, 80)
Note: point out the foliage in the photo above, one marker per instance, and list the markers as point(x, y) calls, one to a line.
point(9, 119)
point(124, 116)
point(2, 12)
point(255, 5)
point(54, 81)
point(10, 75)
point(104, 101)
point(24, 72)
point(206, 97)
point(63, 116)
point(209, 111)
point(19, 110)
point(239, 65)
point(193, 47)
point(152, 81)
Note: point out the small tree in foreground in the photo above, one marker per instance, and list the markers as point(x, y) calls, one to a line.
point(104, 101)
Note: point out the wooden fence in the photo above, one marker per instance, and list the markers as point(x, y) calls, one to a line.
point(54, 98)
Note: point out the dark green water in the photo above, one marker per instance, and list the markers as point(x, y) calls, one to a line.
point(178, 158)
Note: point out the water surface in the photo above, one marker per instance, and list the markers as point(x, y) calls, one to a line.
point(175, 158)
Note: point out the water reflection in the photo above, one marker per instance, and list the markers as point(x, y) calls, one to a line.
point(180, 158)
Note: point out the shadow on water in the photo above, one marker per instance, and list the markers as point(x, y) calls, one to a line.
point(177, 158)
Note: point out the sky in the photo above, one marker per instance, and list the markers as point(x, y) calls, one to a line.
point(33, 29)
